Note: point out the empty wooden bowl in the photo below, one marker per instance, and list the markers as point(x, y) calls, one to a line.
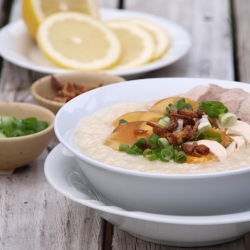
point(19, 151)
point(43, 92)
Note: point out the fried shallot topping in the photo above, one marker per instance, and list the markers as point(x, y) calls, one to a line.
point(186, 119)
point(188, 112)
point(160, 131)
point(67, 91)
point(173, 138)
point(213, 122)
point(195, 149)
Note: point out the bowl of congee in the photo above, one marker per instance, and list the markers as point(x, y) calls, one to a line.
point(177, 146)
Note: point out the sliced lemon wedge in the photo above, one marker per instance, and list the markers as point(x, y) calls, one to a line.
point(159, 34)
point(34, 11)
point(77, 41)
point(137, 44)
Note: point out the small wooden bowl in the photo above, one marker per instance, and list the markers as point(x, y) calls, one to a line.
point(42, 90)
point(16, 152)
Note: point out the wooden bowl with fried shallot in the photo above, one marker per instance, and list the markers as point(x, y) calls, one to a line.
point(53, 91)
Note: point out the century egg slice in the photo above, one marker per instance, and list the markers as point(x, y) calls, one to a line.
point(128, 133)
point(138, 116)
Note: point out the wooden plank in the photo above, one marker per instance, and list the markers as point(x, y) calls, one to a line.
point(247, 241)
point(35, 216)
point(208, 23)
point(124, 241)
point(242, 33)
point(4, 10)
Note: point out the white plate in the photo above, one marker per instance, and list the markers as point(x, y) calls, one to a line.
point(17, 47)
point(60, 170)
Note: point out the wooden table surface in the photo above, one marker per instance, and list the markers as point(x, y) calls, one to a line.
point(33, 215)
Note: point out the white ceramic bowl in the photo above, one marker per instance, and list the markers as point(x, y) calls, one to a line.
point(183, 231)
point(192, 194)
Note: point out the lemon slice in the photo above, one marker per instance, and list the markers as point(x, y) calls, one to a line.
point(160, 35)
point(76, 41)
point(34, 11)
point(137, 44)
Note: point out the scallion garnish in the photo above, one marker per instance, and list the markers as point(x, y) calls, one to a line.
point(180, 157)
point(147, 152)
point(139, 142)
point(228, 119)
point(153, 141)
point(199, 135)
point(163, 122)
point(123, 147)
point(213, 108)
point(181, 104)
point(166, 155)
point(122, 121)
point(12, 127)
point(163, 143)
point(213, 136)
point(134, 150)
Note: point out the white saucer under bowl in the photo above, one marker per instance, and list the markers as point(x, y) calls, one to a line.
point(62, 172)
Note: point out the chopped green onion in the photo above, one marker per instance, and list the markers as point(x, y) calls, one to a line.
point(12, 127)
point(166, 155)
point(168, 109)
point(6, 120)
point(163, 143)
point(213, 136)
point(153, 157)
point(166, 119)
point(18, 124)
point(163, 123)
point(147, 152)
point(150, 155)
point(41, 125)
point(2, 135)
point(181, 104)
point(213, 108)
point(134, 150)
point(177, 148)
point(139, 142)
point(153, 140)
point(199, 136)
point(122, 121)
point(180, 157)
point(204, 126)
point(123, 147)
point(228, 119)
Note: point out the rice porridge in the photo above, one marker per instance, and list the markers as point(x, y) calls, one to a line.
point(92, 131)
